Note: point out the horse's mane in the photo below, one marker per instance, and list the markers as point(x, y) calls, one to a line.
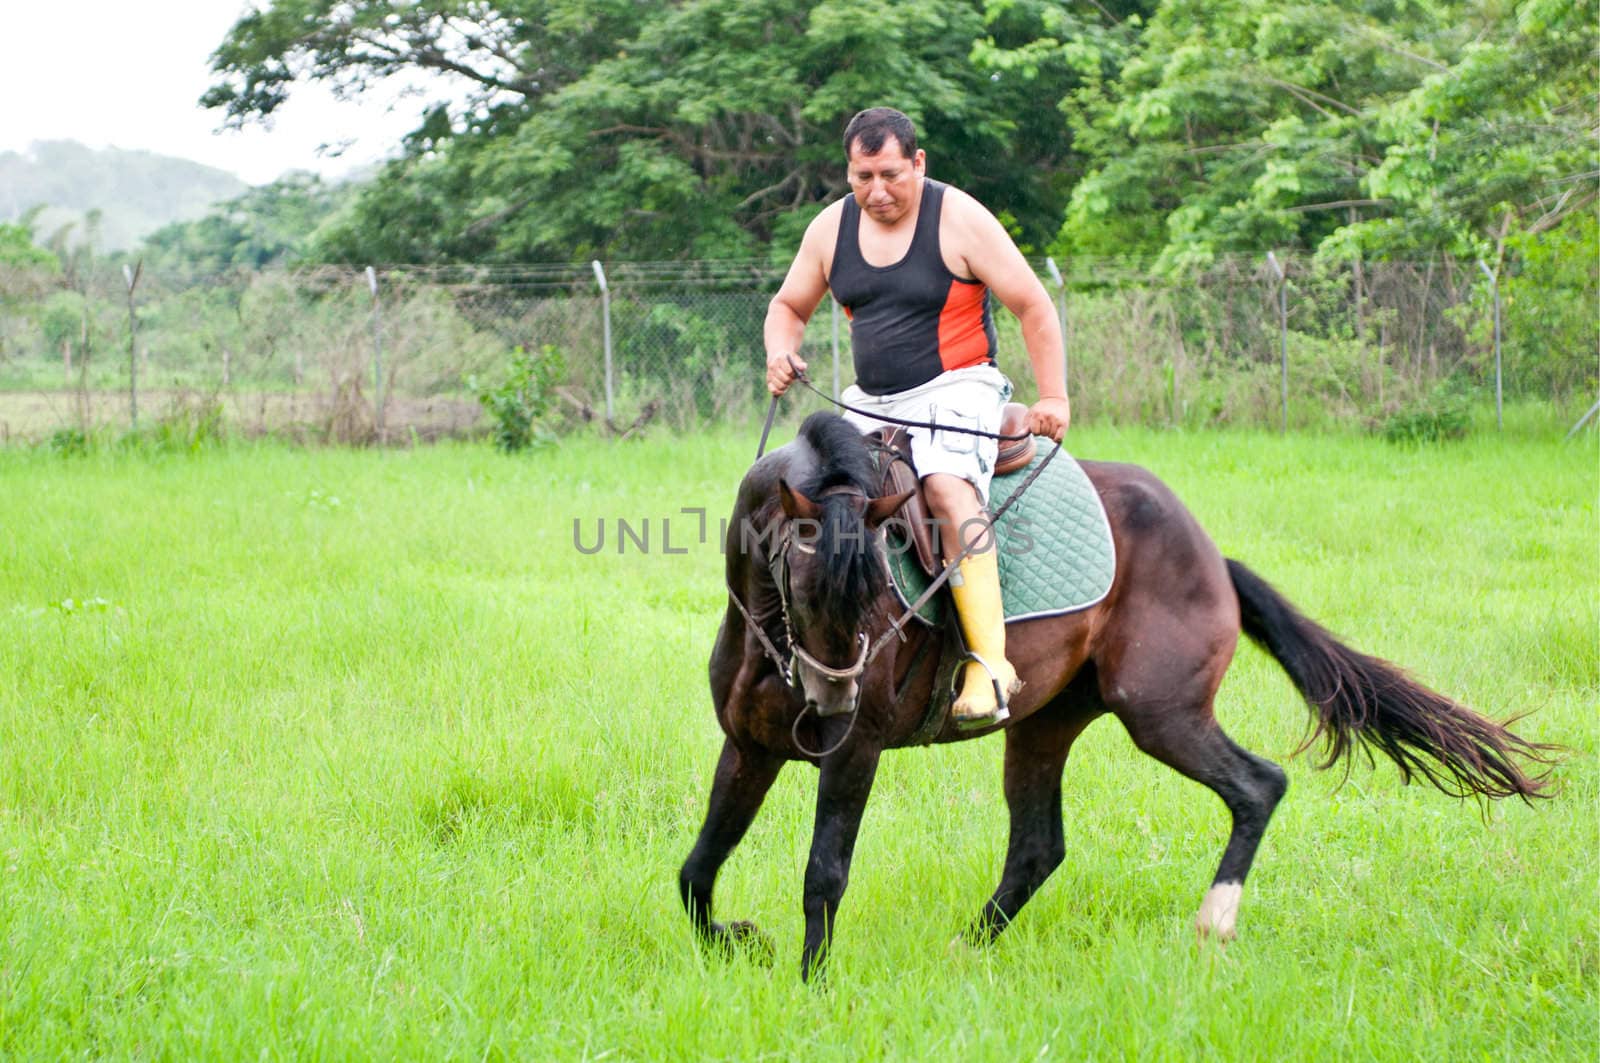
point(852, 575)
point(843, 459)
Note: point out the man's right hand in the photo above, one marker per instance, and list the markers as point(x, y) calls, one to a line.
point(781, 371)
point(1050, 417)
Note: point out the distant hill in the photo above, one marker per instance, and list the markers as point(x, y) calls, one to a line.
point(137, 192)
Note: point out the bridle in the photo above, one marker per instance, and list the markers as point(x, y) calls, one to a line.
point(798, 652)
point(778, 566)
point(789, 667)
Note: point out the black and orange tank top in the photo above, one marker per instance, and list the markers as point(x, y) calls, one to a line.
point(913, 320)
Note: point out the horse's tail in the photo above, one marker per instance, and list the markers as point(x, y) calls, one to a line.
point(1357, 699)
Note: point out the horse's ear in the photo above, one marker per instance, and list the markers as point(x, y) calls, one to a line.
point(881, 509)
point(796, 506)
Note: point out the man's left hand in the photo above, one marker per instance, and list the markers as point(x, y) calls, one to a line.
point(1049, 417)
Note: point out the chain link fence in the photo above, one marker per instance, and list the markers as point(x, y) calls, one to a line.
point(343, 355)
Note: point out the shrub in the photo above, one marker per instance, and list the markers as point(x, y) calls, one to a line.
point(68, 442)
point(190, 423)
point(524, 399)
point(1443, 413)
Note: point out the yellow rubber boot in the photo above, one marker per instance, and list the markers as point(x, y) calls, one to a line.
point(983, 622)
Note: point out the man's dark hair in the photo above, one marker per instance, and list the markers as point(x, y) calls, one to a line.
point(873, 127)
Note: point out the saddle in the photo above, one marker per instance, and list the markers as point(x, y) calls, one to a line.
point(893, 446)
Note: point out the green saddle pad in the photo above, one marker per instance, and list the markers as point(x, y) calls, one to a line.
point(1056, 553)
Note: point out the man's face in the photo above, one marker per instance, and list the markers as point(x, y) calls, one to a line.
point(886, 184)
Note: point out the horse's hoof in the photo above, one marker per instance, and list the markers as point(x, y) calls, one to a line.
point(747, 938)
point(974, 937)
point(1218, 913)
point(962, 945)
point(814, 971)
point(1205, 933)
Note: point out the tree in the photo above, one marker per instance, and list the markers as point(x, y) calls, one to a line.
point(1502, 141)
point(270, 224)
point(18, 252)
point(667, 130)
point(509, 52)
point(1393, 127)
point(27, 271)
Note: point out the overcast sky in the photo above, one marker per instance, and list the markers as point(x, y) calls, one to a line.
point(128, 73)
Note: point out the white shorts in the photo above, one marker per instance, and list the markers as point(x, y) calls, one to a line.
point(966, 398)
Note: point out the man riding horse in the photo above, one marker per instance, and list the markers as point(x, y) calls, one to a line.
point(912, 261)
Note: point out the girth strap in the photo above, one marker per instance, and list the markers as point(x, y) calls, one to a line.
point(951, 657)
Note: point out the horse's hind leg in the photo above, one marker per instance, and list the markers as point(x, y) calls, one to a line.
point(1186, 736)
point(1036, 753)
point(741, 784)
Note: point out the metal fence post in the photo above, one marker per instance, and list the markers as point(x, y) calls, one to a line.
point(1494, 284)
point(1582, 421)
point(132, 277)
point(1061, 312)
point(377, 352)
point(605, 314)
point(1283, 331)
point(833, 313)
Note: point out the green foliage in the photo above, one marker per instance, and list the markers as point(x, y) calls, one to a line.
point(520, 402)
point(1444, 413)
point(696, 352)
point(273, 224)
point(27, 272)
point(61, 318)
point(191, 423)
point(68, 442)
point(1499, 140)
point(1171, 131)
point(81, 323)
point(1551, 323)
point(1396, 129)
point(188, 424)
point(18, 251)
point(656, 130)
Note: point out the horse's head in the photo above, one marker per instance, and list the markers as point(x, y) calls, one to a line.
point(830, 576)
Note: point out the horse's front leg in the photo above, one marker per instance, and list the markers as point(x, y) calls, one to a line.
point(842, 791)
point(741, 784)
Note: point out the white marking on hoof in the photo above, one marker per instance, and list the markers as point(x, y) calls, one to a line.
point(1219, 911)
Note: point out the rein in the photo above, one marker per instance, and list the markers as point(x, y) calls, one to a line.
point(869, 650)
point(805, 379)
point(886, 419)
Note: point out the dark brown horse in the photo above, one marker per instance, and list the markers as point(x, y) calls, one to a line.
point(1152, 653)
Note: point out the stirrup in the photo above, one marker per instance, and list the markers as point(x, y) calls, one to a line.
point(1002, 706)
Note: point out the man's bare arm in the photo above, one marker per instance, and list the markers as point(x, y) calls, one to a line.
point(787, 314)
point(992, 257)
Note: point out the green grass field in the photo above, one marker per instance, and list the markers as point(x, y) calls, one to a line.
point(334, 754)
